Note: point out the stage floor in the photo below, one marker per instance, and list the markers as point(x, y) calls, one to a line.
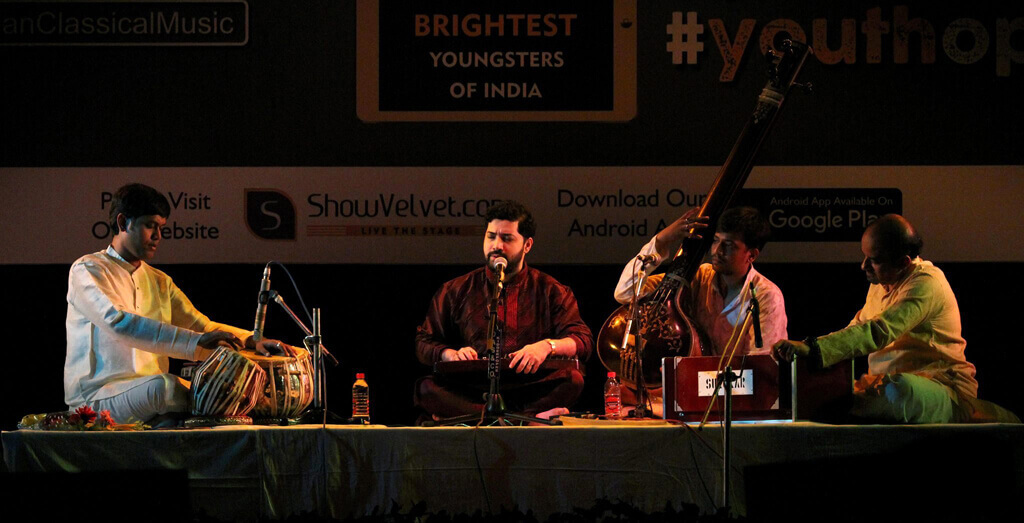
point(778, 470)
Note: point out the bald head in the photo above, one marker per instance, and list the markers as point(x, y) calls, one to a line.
point(894, 238)
point(890, 245)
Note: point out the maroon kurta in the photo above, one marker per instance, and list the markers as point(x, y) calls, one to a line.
point(534, 307)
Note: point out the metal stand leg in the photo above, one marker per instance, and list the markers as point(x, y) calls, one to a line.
point(318, 413)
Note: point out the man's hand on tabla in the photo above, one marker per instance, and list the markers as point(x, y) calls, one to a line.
point(213, 339)
point(785, 350)
point(270, 347)
point(529, 358)
point(463, 354)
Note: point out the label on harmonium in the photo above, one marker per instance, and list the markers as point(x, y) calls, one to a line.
point(743, 386)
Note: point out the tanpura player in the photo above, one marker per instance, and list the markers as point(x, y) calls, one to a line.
point(720, 291)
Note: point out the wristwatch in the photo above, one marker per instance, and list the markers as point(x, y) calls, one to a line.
point(552, 344)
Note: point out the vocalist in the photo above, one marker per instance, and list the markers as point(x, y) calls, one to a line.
point(538, 319)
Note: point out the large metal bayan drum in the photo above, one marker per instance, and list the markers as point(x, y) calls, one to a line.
point(227, 384)
point(289, 386)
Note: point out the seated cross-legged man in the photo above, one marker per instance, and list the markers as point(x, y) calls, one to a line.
point(909, 328)
point(537, 319)
point(720, 292)
point(125, 318)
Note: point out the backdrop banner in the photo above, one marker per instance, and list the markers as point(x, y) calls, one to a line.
point(585, 215)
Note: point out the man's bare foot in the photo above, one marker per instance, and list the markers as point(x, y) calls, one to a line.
point(551, 413)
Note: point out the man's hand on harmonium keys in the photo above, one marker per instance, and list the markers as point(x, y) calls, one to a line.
point(525, 360)
point(529, 358)
point(786, 350)
point(463, 354)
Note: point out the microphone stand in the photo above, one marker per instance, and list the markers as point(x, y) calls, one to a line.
point(318, 413)
point(724, 381)
point(494, 410)
point(298, 321)
point(642, 398)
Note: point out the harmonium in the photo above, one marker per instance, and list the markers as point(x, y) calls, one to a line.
point(763, 390)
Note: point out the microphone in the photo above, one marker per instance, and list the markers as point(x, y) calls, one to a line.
point(756, 313)
point(499, 264)
point(261, 305)
point(647, 258)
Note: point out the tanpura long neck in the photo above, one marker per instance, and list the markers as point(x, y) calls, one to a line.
point(736, 169)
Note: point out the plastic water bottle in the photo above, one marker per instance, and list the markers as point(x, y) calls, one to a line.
point(361, 399)
point(612, 397)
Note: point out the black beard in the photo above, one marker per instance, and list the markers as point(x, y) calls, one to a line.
point(513, 263)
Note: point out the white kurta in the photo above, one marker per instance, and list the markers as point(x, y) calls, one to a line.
point(122, 325)
point(717, 318)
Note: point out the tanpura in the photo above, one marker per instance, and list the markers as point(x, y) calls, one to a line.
point(664, 320)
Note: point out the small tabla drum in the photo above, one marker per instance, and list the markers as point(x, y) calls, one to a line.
point(227, 385)
point(289, 387)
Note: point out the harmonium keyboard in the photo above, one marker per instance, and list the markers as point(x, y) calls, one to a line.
point(475, 371)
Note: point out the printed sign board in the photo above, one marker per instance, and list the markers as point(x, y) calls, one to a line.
point(499, 61)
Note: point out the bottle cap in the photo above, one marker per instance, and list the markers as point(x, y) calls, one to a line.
point(611, 374)
point(360, 375)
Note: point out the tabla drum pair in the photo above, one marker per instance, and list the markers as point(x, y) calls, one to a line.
point(230, 385)
point(289, 387)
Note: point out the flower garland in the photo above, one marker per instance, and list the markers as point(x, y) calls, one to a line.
point(81, 419)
